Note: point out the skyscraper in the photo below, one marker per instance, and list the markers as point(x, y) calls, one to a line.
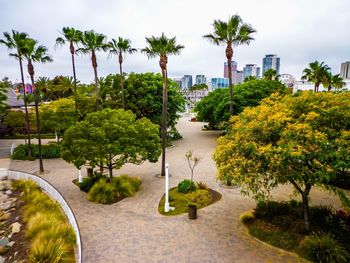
point(251, 70)
point(345, 70)
point(186, 82)
point(237, 76)
point(271, 62)
point(200, 79)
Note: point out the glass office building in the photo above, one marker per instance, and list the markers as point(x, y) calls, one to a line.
point(271, 62)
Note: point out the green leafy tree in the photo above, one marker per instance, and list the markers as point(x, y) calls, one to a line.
point(114, 136)
point(15, 121)
point(93, 42)
point(197, 87)
point(58, 116)
point(162, 47)
point(120, 48)
point(316, 73)
point(234, 32)
point(331, 81)
point(293, 140)
point(17, 41)
point(36, 53)
point(213, 108)
point(3, 90)
point(271, 74)
point(72, 37)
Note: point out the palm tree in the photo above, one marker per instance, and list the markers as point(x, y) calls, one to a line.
point(332, 81)
point(73, 37)
point(17, 41)
point(232, 33)
point(316, 73)
point(162, 47)
point(120, 47)
point(271, 74)
point(93, 42)
point(36, 53)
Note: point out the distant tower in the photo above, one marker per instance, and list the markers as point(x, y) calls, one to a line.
point(271, 62)
point(345, 70)
point(237, 76)
point(186, 81)
point(251, 70)
point(200, 79)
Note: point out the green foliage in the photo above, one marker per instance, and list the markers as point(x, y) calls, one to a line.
point(144, 97)
point(269, 210)
point(107, 192)
point(324, 249)
point(52, 239)
point(15, 121)
point(247, 218)
point(103, 192)
point(4, 85)
point(114, 136)
point(186, 186)
point(89, 182)
point(202, 185)
point(214, 108)
point(48, 151)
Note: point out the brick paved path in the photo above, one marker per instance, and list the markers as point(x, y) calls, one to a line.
point(133, 231)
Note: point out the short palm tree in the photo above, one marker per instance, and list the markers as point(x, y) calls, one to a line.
point(72, 37)
point(271, 74)
point(93, 42)
point(16, 40)
point(331, 81)
point(232, 33)
point(316, 73)
point(162, 47)
point(120, 48)
point(36, 53)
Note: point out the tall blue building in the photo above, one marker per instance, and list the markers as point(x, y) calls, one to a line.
point(271, 62)
point(217, 83)
point(251, 70)
point(186, 82)
point(200, 79)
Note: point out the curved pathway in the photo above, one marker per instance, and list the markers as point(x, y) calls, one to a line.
point(133, 231)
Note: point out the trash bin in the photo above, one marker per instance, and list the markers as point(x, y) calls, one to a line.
point(192, 211)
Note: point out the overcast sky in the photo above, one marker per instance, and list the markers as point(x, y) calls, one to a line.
point(298, 31)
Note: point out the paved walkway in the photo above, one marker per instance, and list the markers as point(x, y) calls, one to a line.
point(133, 231)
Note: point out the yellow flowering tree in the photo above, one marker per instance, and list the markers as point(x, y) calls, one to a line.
point(301, 140)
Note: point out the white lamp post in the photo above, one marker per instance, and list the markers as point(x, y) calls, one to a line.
point(167, 207)
point(80, 177)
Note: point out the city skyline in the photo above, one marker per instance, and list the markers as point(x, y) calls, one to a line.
point(296, 38)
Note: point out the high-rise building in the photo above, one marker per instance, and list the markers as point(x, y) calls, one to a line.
point(271, 62)
point(251, 70)
point(178, 81)
point(345, 70)
point(219, 83)
point(200, 79)
point(237, 76)
point(186, 82)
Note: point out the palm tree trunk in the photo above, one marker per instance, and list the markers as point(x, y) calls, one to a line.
point(36, 101)
point(122, 85)
point(26, 109)
point(94, 65)
point(164, 118)
point(229, 54)
point(75, 78)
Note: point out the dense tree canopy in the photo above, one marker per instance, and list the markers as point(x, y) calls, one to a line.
point(302, 140)
point(3, 97)
point(214, 108)
point(114, 137)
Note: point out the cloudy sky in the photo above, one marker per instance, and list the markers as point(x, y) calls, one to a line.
point(298, 31)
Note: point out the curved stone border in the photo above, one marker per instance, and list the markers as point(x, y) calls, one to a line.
point(55, 194)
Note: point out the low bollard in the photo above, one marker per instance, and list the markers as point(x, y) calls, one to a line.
point(192, 211)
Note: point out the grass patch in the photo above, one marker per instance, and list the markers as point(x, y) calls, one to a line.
point(281, 224)
point(200, 197)
point(52, 238)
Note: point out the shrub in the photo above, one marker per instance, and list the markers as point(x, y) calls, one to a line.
point(89, 182)
point(44, 251)
point(323, 248)
point(199, 197)
point(126, 185)
point(50, 150)
point(103, 192)
point(186, 186)
point(247, 218)
point(319, 213)
point(202, 185)
point(270, 209)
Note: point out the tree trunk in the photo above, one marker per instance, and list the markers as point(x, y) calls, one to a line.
point(26, 109)
point(306, 211)
point(121, 79)
point(36, 101)
point(94, 65)
point(75, 78)
point(164, 119)
point(229, 54)
point(110, 167)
